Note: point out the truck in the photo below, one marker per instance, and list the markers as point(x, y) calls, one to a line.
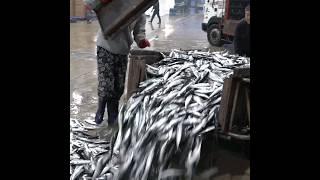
point(221, 18)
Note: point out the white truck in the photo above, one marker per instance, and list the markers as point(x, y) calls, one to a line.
point(221, 18)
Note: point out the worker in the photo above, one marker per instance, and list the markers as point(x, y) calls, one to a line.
point(156, 12)
point(242, 35)
point(112, 57)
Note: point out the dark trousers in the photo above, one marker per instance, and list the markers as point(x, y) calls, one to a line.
point(111, 76)
point(155, 12)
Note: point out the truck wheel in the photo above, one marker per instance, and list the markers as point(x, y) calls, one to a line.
point(214, 35)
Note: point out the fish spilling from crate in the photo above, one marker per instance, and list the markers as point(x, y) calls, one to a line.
point(162, 125)
point(85, 148)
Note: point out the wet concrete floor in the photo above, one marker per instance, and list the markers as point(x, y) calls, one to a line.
point(174, 32)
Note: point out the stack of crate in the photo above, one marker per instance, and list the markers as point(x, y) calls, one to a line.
point(77, 8)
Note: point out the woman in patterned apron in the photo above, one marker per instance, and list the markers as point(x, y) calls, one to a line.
point(112, 57)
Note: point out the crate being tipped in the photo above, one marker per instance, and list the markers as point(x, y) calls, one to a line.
point(114, 15)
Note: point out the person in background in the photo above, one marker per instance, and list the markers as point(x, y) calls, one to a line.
point(242, 35)
point(112, 58)
point(156, 12)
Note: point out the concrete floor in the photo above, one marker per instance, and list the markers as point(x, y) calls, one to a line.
point(175, 32)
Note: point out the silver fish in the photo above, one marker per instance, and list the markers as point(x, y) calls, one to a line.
point(148, 163)
point(77, 172)
point(162, 151)
point(188, 100)
point(179, 134)
point(199, 94)
point(79, 162)
point(198, 100)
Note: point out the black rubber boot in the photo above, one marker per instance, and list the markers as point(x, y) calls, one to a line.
point(100, 112)
point(112, 107)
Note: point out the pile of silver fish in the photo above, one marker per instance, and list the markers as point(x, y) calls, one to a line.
point(85, 148)
point(162, 125)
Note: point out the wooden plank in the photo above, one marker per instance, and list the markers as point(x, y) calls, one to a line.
point(142, 70)
point(234, 105)
point(226, 103)
point(241, 115)
point(133, 76)
point(130, 73)
point(248, 104)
